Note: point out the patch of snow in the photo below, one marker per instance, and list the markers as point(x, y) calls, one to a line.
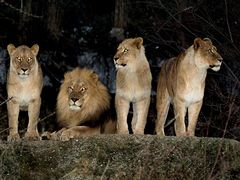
point(3, 70)
point(104, 67)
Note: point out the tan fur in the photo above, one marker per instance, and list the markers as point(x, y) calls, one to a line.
point(182, 82)
point(92, 99)
point(133, 85)
point(24, 86)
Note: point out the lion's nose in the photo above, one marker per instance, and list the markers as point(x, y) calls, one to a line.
point(24, 69)
point(74, 99)
point(115, 58)
point(220, 59)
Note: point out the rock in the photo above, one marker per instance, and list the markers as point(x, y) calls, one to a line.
point(122, 157)
point(117, 33)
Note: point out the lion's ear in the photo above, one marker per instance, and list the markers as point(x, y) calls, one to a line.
point(94, 76)
point(197, 43)
point(208, 40)
point(11, 48)
point(35, 49)
point(138, 42)
point(66, 75)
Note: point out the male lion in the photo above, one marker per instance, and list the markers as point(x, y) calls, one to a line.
point(182, 82)
point(133, 85)
point(83, 105)
point(24, 86)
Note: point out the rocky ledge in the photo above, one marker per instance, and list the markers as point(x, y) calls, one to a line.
point(122, 157)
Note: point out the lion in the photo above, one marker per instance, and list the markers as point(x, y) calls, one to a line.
point(83, 106)
point(24, 87)
point(182, 82)
point(133, 85)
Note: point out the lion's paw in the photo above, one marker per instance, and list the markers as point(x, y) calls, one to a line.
point(45, 136)
point(13, 137)
point(31, 136)
point(66, 135)
point(55, 136)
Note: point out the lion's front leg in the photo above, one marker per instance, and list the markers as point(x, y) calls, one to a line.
point(78, 131)
point(141, 112)
point(193, 112)
point(13, 113)
point(122, 108)
point(179, 112)
point(163, 103)
point(33, 114)
point(134, 118)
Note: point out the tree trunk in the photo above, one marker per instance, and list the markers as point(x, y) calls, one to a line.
point(120, 18)
point(54, 16)
point(181, 4)
point(120, 21)
point(26, 10)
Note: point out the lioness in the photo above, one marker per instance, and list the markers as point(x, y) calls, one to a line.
point(133, 85)
point(24, 86)
point(182, 82)
point(83, 105)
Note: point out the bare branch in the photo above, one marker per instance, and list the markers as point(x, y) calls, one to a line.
point(40, 120)
point(19, 10)
point(217, 30)
point(6, 101)
point(229, 30)
point(232, 73)
point(46, 117)
point(173, 16)
point(5, 130)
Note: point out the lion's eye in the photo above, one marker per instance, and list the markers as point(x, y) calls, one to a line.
point(125, 50)
point(83, 89)
point(70, 89)
point(211, 51)
point(29, 59)
point(19, 59)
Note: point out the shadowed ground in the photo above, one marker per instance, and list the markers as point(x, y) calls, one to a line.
point(122, 157)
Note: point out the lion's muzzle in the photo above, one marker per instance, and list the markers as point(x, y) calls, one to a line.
point(117, 64)
point(75, 104)
point(23, 73)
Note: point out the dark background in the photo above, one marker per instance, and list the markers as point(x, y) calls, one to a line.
point(77, 33)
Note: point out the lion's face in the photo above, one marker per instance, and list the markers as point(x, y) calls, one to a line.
point(207, 53)
point(77, 94)
point(23, 59)
point(127, 52)
point(82, 97)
